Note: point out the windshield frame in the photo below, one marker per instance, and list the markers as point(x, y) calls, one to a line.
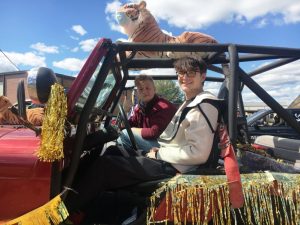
point(81, 130)
point(85, 74)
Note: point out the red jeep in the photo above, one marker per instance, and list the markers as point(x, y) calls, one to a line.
point(27, 183)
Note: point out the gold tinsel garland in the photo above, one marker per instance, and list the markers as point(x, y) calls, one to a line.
point(52, 213)
point(270, 198)
point(52, 136)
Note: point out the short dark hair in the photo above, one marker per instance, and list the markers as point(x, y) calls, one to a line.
point(141, 78)
point(190, 64)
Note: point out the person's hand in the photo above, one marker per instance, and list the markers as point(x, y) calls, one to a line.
point(121, 126)
point(136, 130)
point(152, 153)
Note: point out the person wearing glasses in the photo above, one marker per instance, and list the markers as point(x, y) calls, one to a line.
point(185, 145)
point(187, 141)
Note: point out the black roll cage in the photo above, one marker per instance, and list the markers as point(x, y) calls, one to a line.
point(119, 61)
point(234, 54)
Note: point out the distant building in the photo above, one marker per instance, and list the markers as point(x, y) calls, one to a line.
point(9, 82)
point(295, 103)
point(251, 107)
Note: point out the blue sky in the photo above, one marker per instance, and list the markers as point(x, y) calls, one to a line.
point(60, 34)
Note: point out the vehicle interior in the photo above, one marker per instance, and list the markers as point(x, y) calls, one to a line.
point(112, 66)
point(266, 122)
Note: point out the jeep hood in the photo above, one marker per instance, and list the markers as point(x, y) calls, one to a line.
point(22, 175)
point(17, 152)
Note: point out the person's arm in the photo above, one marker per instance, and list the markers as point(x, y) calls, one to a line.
point(159, 122)
point(199, 139)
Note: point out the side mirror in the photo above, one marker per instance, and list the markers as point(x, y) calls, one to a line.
point(39, 82)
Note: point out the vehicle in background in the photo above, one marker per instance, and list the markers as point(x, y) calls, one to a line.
point(268, 122)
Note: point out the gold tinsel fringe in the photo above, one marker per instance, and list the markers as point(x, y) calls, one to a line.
point(270, 198)
point(51, 147)
point(52, 213)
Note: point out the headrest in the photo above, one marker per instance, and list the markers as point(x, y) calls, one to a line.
point(39, 84)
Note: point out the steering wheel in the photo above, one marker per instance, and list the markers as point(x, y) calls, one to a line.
point(128, 128)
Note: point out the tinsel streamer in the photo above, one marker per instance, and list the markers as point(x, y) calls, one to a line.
point(52, 136)
point(270, 198)
point(52, 213)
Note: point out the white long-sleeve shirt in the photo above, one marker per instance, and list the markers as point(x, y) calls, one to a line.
point(189, 145)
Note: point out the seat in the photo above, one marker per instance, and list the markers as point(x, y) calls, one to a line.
point(282, 148)
point(147, 187)
point(278, 142)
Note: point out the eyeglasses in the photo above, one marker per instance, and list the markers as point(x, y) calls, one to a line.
point(187, 73)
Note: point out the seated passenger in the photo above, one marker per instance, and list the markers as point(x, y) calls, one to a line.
point(185, 144)
point(149, 118)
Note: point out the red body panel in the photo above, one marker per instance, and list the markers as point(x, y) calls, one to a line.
point(24, 180)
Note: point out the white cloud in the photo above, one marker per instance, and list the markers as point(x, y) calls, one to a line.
point(79, 29)
point(292, 13)
point(195, 14)
point(28, 59)
point(42, 48)
point(88, 45)
point(113, 6)
point(76, 49)
point(212, 87)
point(262, 23)
point(110, 10)
point(71, 64)
point(6, 65)
point(158, 72)
point(167, 32)
point(113, 25)
point(122, 40)
point(282, 83)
